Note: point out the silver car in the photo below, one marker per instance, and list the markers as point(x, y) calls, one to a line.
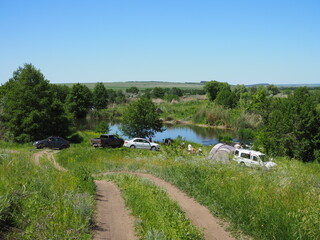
point(141, 143)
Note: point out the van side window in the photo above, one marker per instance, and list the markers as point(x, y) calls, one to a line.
point(245, 155)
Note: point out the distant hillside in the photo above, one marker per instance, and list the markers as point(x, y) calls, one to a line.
point(144, 85)
point(182, 85)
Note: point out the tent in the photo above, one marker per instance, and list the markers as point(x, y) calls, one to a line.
point(221, 153)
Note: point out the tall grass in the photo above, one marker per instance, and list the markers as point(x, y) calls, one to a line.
point(206, 112)
point(42, 203)
point(157, 217)
point(280, 204)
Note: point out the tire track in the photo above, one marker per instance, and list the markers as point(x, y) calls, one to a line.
point(199, 215)
point(112, 219)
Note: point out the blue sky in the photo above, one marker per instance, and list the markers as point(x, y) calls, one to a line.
point(239, 42)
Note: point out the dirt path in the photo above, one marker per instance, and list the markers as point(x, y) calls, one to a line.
point(112, 219)
point(37, 156)
point(199, 215)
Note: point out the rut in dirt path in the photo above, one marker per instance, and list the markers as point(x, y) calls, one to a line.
point(50, 153)
point(199, 215)
point(112, 219)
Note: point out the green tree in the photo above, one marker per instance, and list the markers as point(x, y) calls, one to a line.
point(273, 90)
point(30, 109)
point(292, 127)
point(79, 100)
point(133, 90)
point(158, 92)
point(213, 87)
point(140, 119)
point(60, 91)
point(176, 91)
point(226, 98)
point(120, 97)
point(100, 96)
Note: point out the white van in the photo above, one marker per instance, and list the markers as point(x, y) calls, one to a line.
point(252, 158)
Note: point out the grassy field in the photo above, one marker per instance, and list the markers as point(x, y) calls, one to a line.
point(38, 202)
point(143, 85)
point(280, 204)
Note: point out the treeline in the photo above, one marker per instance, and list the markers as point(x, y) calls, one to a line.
point(289, 124)
point(31, 108)
point(282, 122)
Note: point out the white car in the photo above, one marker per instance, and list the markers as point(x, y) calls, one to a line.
point(252, 158)
point(141, 143)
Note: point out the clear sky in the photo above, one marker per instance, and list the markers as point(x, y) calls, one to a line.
point(239, 41)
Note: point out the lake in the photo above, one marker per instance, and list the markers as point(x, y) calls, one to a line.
point(201, 135)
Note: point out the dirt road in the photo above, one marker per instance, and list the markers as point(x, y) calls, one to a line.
point(199, 215)
point(37, 156)
point(112, 219)
point(114, 222)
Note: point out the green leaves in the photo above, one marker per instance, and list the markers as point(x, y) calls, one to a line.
point(30, 109)
point(140, 119)
point(291, 127)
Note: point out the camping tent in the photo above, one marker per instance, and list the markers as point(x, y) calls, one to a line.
point(221, 153)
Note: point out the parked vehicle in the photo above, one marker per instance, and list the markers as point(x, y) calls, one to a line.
point(141, 143)
point(107, 140)
point(52, 142)
point(252, 158)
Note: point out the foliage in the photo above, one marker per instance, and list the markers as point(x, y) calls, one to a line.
point(79, 100)
point(102, 127)
point(133, 90)
point(140, 119)
point(31, 109)
point(156, 214)
point(171, 97)
point(100, 96)
point(158, 92)
point(273, 90)
point(226, 97)
point(61, 92)
point(213, 87)
point(292, 127)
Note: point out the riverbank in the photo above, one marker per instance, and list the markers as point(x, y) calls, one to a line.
point(182, 122)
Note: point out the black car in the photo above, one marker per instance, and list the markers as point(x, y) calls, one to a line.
point(52, 142)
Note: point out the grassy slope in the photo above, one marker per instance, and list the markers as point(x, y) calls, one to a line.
point(40, 202)
point(279, 204)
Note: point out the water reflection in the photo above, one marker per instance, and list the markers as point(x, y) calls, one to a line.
point(202, 135)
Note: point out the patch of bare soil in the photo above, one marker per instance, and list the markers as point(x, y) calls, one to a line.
point(112, 219)
point(54, 162)
point(8, 151)
point(199, 215)
point(36, 157)
point(50, 154)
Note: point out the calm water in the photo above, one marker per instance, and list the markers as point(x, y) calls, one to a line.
point(204, 136)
